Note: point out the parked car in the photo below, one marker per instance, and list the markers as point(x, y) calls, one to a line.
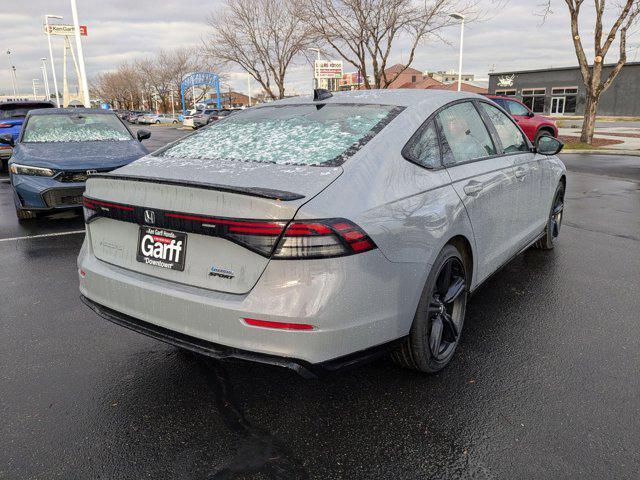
point(188, 119)
point(156, 118)
point(135, 116)
point(312, 234)
point(534, 126)
point(208, 116)
point(12, 116)
point(56, 151)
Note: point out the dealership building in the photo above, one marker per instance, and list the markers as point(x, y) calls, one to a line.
point(560, 91)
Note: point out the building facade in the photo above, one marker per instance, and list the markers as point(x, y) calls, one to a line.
point(560, 91)
point(449, 76)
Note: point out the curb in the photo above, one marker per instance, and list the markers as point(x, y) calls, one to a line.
point(629, 153)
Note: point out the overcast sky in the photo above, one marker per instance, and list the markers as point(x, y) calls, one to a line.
point(121, 30)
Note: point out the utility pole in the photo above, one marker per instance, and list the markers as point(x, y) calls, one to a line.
point(53, 69)
point(12, 72)
point(459, 16)
point(83, 72)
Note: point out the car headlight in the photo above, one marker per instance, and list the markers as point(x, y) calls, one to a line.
point(17, 169)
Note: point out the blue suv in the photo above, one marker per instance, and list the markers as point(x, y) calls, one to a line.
point(12, 115)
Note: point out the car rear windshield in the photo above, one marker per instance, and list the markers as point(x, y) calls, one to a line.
point(78, 127)
point(20, 110)
point(288, 134)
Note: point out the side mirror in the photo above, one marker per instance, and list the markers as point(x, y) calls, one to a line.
point(549, 146)
point(7, 139)
point(143, 135)
point(531, 114)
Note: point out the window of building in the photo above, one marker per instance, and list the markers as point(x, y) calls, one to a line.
point(465, 135)
point(534, 99)
point(506, 93)
point(413, 79)
point(570, 95)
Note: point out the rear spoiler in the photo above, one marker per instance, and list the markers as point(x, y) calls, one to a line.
point(269, 193)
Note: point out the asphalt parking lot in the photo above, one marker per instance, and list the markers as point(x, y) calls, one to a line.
point(545, 384)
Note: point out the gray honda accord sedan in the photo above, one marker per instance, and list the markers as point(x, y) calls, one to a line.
point(317, 232)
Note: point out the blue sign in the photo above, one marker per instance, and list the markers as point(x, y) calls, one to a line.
point(200, 79)
point(105, 106)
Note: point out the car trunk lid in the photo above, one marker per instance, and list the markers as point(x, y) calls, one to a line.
point(231, 212)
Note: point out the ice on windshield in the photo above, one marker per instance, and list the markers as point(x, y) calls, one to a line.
point(303, 135)
point(75, 128)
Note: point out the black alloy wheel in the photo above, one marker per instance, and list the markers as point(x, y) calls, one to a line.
point(552, 230)
point(444, 311)
point(437, 324)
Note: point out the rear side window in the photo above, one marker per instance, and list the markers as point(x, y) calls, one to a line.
point(510, 136)
point(288, 134)
point(424, 149)
point(465, 134)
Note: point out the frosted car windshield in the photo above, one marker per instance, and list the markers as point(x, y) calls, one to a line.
point(291, 134)
point(81, 127)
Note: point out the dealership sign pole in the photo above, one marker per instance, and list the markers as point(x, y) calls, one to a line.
point(83, 72)
point(47, 31)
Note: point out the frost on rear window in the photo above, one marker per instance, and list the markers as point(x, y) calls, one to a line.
point(292, 134)
point(74, 128)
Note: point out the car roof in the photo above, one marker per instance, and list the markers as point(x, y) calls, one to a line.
point(25, 103)
point(398, 97)
point(69, 111)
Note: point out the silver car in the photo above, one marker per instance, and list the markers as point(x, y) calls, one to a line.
point(316, 233)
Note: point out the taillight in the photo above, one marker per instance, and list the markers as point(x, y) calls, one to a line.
point(322, 239)
point(5, 125)
point(91, 208)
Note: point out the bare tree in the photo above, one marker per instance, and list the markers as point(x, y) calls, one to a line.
point(625, 14)
point(365, 32)
point(263, 37)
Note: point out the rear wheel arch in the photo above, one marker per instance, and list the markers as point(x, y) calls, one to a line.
point(463, 245)
point(545, 129)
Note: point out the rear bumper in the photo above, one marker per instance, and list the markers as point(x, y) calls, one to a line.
point(223, 352)
point(354, 303)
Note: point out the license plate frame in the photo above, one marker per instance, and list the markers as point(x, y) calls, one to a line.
point(165, 249)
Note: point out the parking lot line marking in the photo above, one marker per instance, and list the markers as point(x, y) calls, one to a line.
point(44, 235)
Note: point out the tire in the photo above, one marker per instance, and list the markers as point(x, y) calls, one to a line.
point(552, 230)
point(4, 165)
point(539, 135)
point(424, 349)
point(157, 122)
point(25, 214)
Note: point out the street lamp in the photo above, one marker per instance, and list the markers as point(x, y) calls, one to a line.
point(53, 70)
point(83, 72)
point(459, 16)
point(45, 78)
point(314, 80)
point(12, 71)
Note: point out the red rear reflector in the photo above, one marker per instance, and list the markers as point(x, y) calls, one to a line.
point(5, 125)
point(279, 325)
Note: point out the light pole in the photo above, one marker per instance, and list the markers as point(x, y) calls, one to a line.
point(53, 69)
point(459, 16)
point(34, 85)
point(249, 87)
point(12, 74)
point(45, 78)
point(314, 81)
point(83, 72)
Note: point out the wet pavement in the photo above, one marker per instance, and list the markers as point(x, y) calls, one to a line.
point(545, 384)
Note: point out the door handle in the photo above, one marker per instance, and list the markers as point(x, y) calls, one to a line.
point(473, 188)
point(520, 173)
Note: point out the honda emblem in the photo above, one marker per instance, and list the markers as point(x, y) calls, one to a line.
point(149, 217)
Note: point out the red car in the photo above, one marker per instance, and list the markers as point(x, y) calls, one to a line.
point(534, 126)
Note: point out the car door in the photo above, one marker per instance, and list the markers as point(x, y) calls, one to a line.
point(483, 179)
point(528, 222)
